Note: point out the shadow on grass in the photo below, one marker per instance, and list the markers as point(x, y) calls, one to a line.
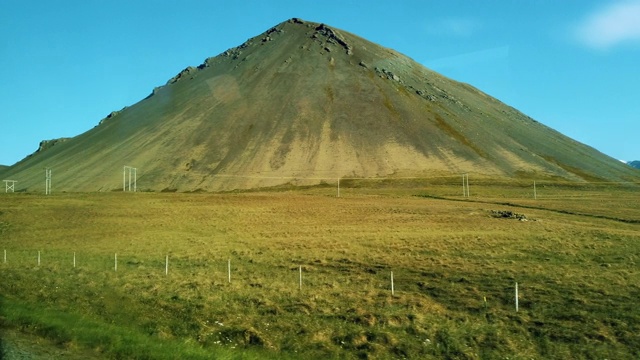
point(559, 211)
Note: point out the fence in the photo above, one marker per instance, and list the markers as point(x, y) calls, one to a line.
point(70, 263)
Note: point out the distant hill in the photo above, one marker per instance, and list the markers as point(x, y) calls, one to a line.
point(635, 164)
point(305, 103)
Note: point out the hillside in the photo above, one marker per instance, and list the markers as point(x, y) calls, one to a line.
point(305, 103)
point(634, 164)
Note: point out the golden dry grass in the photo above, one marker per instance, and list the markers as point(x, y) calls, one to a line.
point(577, 273)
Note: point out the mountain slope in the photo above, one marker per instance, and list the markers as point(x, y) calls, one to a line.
point(634, 164)
point(303, 103)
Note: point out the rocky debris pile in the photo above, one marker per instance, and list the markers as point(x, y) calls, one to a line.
point(440, 94)
point(426, 95)
point(273, 30)
point(332, 37)
point(388, 74)
point(234, 53)
point(506, 214)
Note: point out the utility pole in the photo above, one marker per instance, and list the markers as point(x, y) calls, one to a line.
point(47, 181)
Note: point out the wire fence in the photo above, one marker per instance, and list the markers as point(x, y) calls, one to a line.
point(241, 272)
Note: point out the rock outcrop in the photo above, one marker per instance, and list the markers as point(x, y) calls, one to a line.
point(47, 144)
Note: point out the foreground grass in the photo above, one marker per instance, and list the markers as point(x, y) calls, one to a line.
point(73, 331)
point(454, 271)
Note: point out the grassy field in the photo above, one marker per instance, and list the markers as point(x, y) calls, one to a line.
point(311, 272)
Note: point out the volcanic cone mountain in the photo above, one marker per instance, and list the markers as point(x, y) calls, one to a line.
point(304, 103)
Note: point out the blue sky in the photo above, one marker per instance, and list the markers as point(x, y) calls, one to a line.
point(572, 65)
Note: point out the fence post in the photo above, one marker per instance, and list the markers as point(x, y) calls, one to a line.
point(516, 297)
point(392, 289)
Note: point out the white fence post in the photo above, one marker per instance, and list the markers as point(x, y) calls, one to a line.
point(392, 290)
point(516, 297)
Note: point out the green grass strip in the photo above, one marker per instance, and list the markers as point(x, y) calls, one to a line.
point(106, 339)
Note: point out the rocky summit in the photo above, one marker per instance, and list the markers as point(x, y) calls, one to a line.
point(304, 103)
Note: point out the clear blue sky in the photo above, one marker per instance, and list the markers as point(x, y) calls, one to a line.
point(573, 65)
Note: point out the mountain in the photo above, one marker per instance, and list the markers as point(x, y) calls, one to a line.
point(304, 103)
point(634, 164)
